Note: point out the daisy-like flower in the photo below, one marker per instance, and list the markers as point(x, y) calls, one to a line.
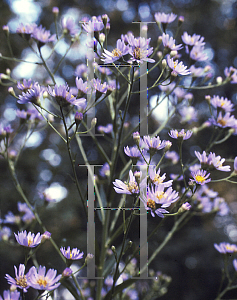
point(100, 88)
point(32, 95)
point(197, 54)
point(82, 87)
point(220, 102)
point(9, 295)
point(200, 177)
point(120, 50)
point(226, 248)
point(69, 26)
point(156, 178)
point(164, 197)
point(194, 40)
point(203, 158)
point(105, 170)
point(81, 71)
point(169, 43)
point(21, 280)
point(95, 24)
point(164, 19)
point(177, 68)
point(180, 135)
point(152, 144)
point(26, 30)
point(42, 36)
point(224, 121)
point(40, 281)
point(139, 49)
point(28, 240)
point(152, 206)
point(105, 129)
point(73, 254)
point(129, 188)
point(132, 152)
point(25, 85)
point(217, 162)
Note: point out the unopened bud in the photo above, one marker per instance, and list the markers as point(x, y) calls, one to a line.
point(173, 53)
point(78, 117)
point(159, 41)
point(55, 10)
point(93, 122)
point(207, 69)
point(168, 145)
point(219, 80)
point(5, 29)
point(45, 236)
point(102, 37)
point(159, 54)
point(164, 63)
point(137, 175)
point(8, 71)
point(104, 19)
point(208, 98)
point(136, 137)
point(4, 76)
point(67, 272)
point(185, 206)
point(11, 91)
point(113, 248)
point(180, 20)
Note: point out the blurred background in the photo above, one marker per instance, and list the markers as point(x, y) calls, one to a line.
point(190, 258)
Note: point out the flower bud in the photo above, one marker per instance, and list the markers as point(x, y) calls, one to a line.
point(93, 122)
point(185, 206)
point(208, 98)
point(55, 11)
point(78, 117)
point(180, 20)
point(11, 91)
point(219, 80)
point(164, 63)
point(159, 54)
point(45, 236)
point(102, 37)
point(159, 40)
point(8, 71)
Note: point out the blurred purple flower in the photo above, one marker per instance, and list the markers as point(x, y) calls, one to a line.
point(28, 216)
point(226, 248)
point(105, 170)
point(105, 129)
point(69, 26)
point(32, 95)
point(43, 36)
point(197, 54)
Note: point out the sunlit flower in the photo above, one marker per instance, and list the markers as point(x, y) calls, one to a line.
point(28, 240)
point(40, 281)
point(200, 177)
point(226, 248)
point(9, 295)
point(130, 187)
point(26, 30)
point(177, 68)
point(21, 280)
point(132, 152)
point(182, 134)
point(120, 50)
point(73, 254)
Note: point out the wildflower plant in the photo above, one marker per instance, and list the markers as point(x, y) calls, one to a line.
point(142, 171)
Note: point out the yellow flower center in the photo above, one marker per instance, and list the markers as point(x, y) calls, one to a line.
point(42, 281)
point(132, 186)
point(159, 195)
point(116, 52)
point(30, 241)
point(157, 179)
point(151, 203)
point(137, 53)
point(199, 178)
point(222, 103)
point(222, 122)
point(175, 64)
point(21, 281)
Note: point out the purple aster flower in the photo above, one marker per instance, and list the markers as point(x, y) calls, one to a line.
point(73, 254)
point(28, 216)
point(177, 68)
point(69, 26)
point(197, 72)
point(82, 87)
point(130, 187)
point(235, 264)
point(203, 158)
point(43, 36)
point(21, 280)
point(200, 177)
point(222, 103)
point(224, 121)
point(81, 71)
point(221, 206)
point(105, 129)
point(132, 152)
point(105, 170)
point(173, 156)
point(153, 144)
point(32, 95)
point(25, 85)
point(100, 88)
point(164, 197)
point(10, 218)
point(95, 24)
point(197, 54)
point(26, 30)
point(164, 19)
point(188, 114)
point(40, 281)
point(169, 43)
point(139, 49)
point(217, 162)
point(67, 272)
point(226, 248)
point(194, 40)
point(231, 73)
point(156, 178)
point(151, 205)
point(28, 240)
point(182, 135)
point(9, 295)
point(5, 233)
point(120, 50)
